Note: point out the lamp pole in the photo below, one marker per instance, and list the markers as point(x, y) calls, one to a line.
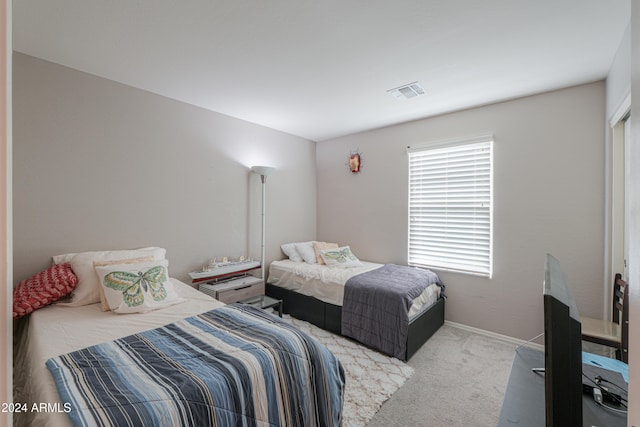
point(263, 171)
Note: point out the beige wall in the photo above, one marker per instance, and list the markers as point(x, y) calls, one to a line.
point(548, 197)
point(5, 203)
point(100, 165)
point(618, 80)
point(623, 86)
point(634, 228)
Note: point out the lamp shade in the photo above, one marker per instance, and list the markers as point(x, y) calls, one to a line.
point(262, 170)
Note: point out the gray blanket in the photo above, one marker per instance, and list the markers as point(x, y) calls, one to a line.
point(375, 310)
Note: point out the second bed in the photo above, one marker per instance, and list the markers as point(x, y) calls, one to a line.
point(316, 293)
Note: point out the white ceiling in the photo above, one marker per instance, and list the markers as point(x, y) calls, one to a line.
point(320, 68)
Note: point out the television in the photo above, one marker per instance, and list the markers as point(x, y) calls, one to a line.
point(562, 350)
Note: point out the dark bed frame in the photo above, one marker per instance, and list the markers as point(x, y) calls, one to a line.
point(329, 316)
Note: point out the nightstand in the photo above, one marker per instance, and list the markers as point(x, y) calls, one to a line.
point(234, 289)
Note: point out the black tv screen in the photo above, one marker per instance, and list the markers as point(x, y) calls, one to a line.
point(562, 350)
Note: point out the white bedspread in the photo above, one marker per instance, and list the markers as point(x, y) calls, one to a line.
point(56, 330)
point(327, 284)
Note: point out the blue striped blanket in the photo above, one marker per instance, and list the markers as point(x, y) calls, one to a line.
point(232, 366)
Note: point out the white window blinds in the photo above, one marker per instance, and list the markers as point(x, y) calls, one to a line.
point(450, 206)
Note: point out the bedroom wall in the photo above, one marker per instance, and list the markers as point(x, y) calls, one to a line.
point(633, 418)
point(100, 165)
point(618, 90)
point(623, 87)
point(5, 206)
point(548, 197)
point(618, 81)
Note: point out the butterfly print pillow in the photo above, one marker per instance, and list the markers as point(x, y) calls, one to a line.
point(340, 258)
point(137, 288)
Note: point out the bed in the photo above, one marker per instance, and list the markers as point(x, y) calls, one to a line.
point(316, 293)
point(246, 366)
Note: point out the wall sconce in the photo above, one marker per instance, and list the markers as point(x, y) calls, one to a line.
point(354, 162)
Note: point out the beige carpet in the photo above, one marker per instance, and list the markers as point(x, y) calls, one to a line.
point(459, 381)
point(371, 377)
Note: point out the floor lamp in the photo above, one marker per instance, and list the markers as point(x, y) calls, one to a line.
point(263, 171)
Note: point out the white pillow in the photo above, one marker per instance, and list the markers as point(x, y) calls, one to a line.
point(289, 249)
point(87, 290)
point(63, 258)
point(340, 258)
point(306, 251)
point(137, 288)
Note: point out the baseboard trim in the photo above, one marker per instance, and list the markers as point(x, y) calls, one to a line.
point(505, 338)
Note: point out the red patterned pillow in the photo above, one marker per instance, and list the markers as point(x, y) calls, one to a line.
point(42, 289)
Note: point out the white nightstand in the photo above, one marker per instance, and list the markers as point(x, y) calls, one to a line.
point(234, 289)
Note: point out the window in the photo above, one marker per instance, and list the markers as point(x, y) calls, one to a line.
point(450, 206)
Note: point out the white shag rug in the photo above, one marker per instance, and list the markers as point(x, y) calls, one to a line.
point(371, 377)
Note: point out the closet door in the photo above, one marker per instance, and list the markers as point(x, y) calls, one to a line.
point(618, 209)
point(625, 209)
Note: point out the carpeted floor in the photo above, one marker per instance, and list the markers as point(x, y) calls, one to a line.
point(371, 377)
point(459, 380)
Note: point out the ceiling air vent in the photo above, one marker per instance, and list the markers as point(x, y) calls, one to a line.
point(407, 91)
